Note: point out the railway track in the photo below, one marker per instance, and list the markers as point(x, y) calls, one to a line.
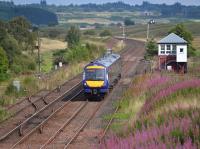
point(40, 98)
point(59, 123)
point(141, 69)
point(21, 136)
point(68, 125)
point(39, 117)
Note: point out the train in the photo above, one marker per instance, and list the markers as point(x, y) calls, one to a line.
point(99, 75)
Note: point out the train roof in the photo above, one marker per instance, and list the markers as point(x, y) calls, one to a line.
point(108, 59)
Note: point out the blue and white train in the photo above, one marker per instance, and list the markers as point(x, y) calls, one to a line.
point(100, 74)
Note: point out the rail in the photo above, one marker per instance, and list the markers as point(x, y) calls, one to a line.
point(20, 127)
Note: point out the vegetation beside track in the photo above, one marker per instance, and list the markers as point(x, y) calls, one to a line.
point(158, 110)
point(73, 58)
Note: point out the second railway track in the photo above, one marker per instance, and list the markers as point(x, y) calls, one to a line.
point(55, 125)
point(38, 117)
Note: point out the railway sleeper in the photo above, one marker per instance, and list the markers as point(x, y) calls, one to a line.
point(45, 102)
point(58, 88)
point(53, 110)
point(21, 133)
point(34, 105)
point(41, 129)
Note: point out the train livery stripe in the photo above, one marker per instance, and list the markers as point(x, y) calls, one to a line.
point(95, 67)
point(95, 83)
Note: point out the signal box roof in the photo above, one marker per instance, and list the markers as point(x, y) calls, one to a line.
point(172, 39)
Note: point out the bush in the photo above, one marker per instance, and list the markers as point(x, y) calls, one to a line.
point(30, 84)
point(23, 64)
point(73, 36)
point(105, 33)
point(151, 48)
point(12, 91)
point(3, 65)
point(32, 66)
point(58, 56)
point(78, 53)
point(83, 53)
point(128, 22)
point(89, 32)
point(54, 33)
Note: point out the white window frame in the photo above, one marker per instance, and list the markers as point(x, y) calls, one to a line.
point(168, 51)
point(162, 48)
point(174, 48)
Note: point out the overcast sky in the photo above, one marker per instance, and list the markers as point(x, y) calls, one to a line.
point(66, 2)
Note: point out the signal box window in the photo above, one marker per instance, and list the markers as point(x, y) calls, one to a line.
point(174, 49)
point(168, 49)
point(162, 49)
point(181, 50)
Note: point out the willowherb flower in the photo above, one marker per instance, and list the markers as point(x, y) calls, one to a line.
point(161, 95)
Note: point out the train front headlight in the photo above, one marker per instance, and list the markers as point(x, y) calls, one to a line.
point(85, 84)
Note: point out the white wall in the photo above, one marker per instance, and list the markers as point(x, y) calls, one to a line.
point(181, 53)
point(181, 56)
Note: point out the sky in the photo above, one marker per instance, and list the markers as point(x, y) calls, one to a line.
point(133, 2)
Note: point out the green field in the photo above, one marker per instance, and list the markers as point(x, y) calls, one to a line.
point(156, 30)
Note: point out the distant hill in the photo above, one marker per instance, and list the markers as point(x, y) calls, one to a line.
point(175, 10)
point(35, 15)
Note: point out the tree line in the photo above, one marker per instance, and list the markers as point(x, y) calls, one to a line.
point(35, 15)
point(165, 10)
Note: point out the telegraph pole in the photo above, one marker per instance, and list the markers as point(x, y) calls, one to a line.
point(38, 47)
point(123, 34)
point(148, 30)
point(148, 26)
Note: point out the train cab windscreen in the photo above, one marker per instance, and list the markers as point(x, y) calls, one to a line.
point(95, 74)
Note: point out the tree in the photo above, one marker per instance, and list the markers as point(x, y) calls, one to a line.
point(105, 33)
point(181, 31)
point(151, 48)
point(10, 44)
point(128, 22)
point(3, 64)
point(21, 29)
point(73, 36)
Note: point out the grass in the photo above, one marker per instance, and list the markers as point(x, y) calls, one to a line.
point(61, 76)
point(172, 121)
point(51, 45)
point(196, 42)
point(89, 21)
point(156, 31)
point(47, 61)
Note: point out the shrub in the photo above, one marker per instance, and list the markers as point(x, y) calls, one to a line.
point(151, 49)
point(89, 32)
point(3, 114)
point(105, 33)
point(3, 65)
point(73, 36)
point(12, 91)
point(128, 22)
point(23, 64)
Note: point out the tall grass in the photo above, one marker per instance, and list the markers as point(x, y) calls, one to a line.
point(168, 117)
